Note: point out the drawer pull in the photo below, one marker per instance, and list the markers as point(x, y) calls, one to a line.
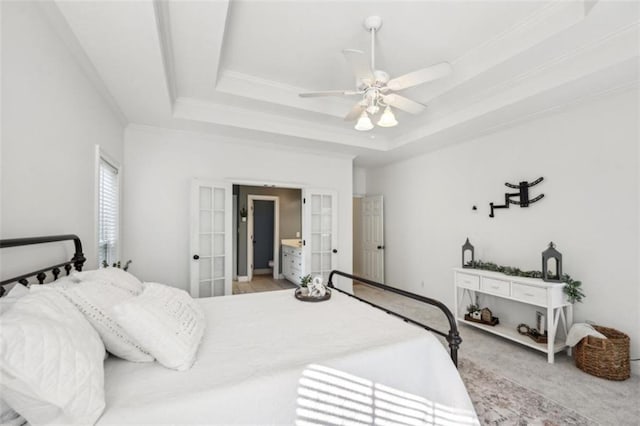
point(530, 294)
point(495, 287)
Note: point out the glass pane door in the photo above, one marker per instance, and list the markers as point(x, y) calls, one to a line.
point(210, 257)
point(320, 236)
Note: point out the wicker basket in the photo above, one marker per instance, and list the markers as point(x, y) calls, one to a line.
point(607, 358)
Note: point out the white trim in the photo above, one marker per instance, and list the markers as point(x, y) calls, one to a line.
point(101, 154)
point(276, 233)
point(243, 279)
point(161, 15)
point(63, 30)
point(194, 243)
point(262, 183)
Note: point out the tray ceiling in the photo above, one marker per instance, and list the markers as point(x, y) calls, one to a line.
point(236, 67)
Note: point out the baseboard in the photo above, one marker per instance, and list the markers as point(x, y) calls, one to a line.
point(243, 279)
point(263, 271)
point(635, 368)
point(281, 277)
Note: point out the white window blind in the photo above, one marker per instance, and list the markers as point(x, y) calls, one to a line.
point(108, 220)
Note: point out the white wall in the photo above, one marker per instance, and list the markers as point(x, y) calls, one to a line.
point(588, 156)
point(52, 117)
point(359, 181)
point(159, 167)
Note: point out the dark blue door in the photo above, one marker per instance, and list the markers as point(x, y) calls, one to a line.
point(262, 233)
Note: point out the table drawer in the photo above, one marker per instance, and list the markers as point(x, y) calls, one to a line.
point(468, 281)
point(494, 286)
point(293, 251)
point(529, 294)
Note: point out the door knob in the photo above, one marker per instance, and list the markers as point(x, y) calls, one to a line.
point(380, 247)
point(334, 250)
point(196, 257)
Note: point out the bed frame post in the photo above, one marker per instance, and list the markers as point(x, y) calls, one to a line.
point(453, 337)
point(78, 258)
point(454, 340)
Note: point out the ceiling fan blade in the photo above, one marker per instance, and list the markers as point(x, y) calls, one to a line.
point(330, 93)
point(424, 75)
point(359, 64)
point(355, 112)
point(403, 103)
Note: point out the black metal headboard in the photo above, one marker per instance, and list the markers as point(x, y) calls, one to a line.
point(77, 261)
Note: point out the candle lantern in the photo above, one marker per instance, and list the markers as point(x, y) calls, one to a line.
point(552, 264)
point(467, 255)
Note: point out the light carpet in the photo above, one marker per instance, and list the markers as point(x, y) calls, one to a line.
point(499, 401)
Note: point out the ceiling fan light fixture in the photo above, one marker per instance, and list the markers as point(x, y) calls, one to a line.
point(364, 122)
point(387, 119)
point(373, 109)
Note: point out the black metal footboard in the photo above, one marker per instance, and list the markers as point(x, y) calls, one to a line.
point(453, 337)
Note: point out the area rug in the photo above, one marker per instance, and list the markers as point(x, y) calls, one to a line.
point(499, 401)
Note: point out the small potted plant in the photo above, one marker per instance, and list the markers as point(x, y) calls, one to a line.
point(304, 284)
point(474, 311)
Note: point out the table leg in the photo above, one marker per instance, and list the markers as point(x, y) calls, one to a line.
point(551, 335)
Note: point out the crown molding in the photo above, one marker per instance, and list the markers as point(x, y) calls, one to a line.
point(61, 27)
point(205, 111)
point(252, 87)
point(617, 48)
point(163, 24)
point(542, 24)
point(192, 135)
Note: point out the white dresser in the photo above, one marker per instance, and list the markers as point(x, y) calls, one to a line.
point(532, 291)
point(292, 263)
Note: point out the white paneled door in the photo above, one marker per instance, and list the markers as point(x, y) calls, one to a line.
point(320, 232)
point(210, 255)
point(373, 238)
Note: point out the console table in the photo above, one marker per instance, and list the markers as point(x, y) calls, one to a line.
point(532, 291)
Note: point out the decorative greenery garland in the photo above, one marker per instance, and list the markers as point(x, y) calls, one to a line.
point(572, 288)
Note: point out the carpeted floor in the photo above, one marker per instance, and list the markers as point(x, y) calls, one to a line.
point(499, 401)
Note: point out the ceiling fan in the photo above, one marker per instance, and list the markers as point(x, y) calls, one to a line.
point(376, 87)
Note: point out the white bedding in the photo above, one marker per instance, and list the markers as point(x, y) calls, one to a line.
point(269, 358)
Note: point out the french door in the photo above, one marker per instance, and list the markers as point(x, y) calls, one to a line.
point(211, 242)
point(320, 232)
point(373, 238)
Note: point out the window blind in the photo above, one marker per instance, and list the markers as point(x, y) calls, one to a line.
point(108, 220)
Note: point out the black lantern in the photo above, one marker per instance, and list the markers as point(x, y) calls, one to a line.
point(549, 273)
point(467, 255)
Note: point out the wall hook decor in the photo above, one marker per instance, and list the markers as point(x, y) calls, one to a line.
point(522, 196)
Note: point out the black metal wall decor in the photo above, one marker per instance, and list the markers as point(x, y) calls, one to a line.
point(549, 274)
point(523, 196)
point(467, 248)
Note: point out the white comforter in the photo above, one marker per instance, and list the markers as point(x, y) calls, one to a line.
point(269, 358)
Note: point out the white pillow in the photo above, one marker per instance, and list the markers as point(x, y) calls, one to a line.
point(166, 321)
point(51, 361)
point(8, 416)
point(95, 300)
point(113, 276)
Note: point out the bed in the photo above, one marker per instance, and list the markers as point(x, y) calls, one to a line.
point(267, 358)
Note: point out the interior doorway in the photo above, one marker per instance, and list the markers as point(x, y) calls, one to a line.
point(368, 237)
point(263, 235)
